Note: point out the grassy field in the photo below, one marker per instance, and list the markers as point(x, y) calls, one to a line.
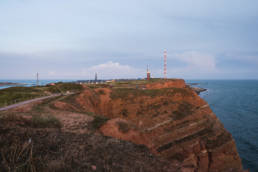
point(14, 95)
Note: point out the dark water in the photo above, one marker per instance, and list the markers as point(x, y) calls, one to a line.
point(235, 102)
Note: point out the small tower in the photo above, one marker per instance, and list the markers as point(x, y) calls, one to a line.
point(148, 73)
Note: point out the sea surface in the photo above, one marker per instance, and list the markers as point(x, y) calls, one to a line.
point(29, 83)
point(235, 103)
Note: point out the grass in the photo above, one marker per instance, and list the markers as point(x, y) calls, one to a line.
point(14, 95)
point(124, 93)
point(36, 120)
point(17, 94)
point(18, 157)
point(45, 121)
point(63, 87)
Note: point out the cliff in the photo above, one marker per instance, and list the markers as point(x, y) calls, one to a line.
point(160, 125)
point(170, 119)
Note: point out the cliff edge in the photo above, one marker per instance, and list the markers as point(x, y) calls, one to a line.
point(157, 125)
point(170, 119)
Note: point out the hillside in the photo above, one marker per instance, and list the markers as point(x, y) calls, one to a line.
point(136, 125)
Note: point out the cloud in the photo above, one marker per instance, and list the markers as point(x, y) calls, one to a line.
point(112, 70)
point(197, 60)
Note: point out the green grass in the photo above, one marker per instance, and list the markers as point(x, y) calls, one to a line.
point(14, 95)
point(17, 94)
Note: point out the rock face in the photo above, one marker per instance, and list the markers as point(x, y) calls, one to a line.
point(170, 119)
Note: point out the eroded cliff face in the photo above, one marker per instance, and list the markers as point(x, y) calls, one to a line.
point(170, 119)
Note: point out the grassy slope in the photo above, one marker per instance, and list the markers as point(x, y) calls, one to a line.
point(13, 95)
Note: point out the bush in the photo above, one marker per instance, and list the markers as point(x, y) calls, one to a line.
point(124, 112)
point(98, 121)
point(123, 127)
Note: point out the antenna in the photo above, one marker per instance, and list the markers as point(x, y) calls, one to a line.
point(96, 76)
point(165, 64)
point(37, 78)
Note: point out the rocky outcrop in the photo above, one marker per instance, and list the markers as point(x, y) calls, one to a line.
point(171, 120)
point(199, 90)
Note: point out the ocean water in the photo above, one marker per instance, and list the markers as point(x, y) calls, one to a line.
point(235, 103)
point(29, 83)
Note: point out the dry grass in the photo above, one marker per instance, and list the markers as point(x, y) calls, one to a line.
point(18, 157)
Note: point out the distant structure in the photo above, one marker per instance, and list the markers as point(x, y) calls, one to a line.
point(96, 77)
point(37, 78)
point(165, 64)
point(148, 73)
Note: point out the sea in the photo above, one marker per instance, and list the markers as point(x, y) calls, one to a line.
point(30, 83)
point(235, 103)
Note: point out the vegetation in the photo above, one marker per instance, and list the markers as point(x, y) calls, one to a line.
point(124, 93)
point(98, 121)
point(14, 95)
point(18, 157)
point(42, 121)
point(124, 112)
point(63, 87)
point(36, 120)
point(123, 127)
point(184, 109)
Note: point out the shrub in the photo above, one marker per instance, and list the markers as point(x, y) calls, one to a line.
point(124, 112)
point(98, 121)
point(123, 127)
point(101, 92)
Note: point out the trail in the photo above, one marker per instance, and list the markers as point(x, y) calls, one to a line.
point(28, 101)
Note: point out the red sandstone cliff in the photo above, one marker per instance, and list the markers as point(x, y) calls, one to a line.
point(170, 119)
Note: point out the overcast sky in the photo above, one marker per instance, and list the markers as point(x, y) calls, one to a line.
point(64, 39)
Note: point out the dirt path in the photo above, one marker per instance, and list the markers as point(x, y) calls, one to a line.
point(28, 101)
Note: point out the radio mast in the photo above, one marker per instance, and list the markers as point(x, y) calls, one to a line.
point(165, 64)
point(37, 78)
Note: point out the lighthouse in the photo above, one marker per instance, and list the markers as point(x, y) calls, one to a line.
point(148, 73)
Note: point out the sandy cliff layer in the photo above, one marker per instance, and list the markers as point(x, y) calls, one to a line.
point(170, 119)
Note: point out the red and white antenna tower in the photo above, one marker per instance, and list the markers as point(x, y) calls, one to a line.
point(165, 64)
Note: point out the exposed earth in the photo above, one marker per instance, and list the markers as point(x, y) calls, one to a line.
point(159, 125)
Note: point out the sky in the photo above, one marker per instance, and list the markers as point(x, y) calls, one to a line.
point(64, 39)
